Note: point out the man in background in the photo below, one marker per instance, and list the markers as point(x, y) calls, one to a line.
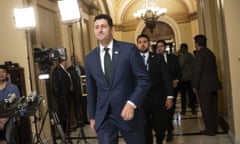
point(186, 61)
point(206, 83)
point(62, 87)
point(79, 102)
point(175, 72)
point(7, 124)
point(160, 95)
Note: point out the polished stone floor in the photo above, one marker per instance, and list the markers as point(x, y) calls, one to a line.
point(186, 131)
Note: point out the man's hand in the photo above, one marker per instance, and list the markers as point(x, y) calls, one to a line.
point(175, 83)
point(169, 103)
point(127, 112)
point(92, 123)
point(195, 90)
point(3, 121)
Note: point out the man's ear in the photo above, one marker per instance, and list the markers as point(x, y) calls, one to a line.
point(113, 30)
point(8, 77)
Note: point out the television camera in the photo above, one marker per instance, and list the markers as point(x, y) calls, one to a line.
point(45, 57)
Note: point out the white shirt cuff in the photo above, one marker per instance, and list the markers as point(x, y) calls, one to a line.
point(170, 97)
point(131, 103)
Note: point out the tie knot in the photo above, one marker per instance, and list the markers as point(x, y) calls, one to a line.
point(106, 49)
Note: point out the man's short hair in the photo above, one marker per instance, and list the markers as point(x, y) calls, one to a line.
point(3, 67)
point(106, 17)
point(201, 40)
point(162, 41)
point(184, 47)
point(143, 36)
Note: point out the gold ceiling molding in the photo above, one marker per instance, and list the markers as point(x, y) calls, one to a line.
point(91, 3)
point(193, 16)
point(126, 27)
point(117, 2)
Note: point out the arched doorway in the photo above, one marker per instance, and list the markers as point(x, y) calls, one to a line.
point(161, 31)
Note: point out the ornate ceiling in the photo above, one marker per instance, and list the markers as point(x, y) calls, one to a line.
point(122, 10)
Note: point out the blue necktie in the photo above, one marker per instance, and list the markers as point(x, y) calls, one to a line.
point(143, 58)
point(107, 64)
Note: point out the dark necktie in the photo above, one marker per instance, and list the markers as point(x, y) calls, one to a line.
point(143, 58)
point(107, 64)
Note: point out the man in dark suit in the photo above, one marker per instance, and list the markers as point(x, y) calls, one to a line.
point(160, 95)
point(175, 72)
point(79, 102)
point(62, 86)
point(206, 83)
point(117, 83)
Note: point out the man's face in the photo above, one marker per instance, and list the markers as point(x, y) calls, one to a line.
point(102, 30)
point(197, 48)
point(143, 44)
point(3, 75)
point(64, 63)
point(160, 48)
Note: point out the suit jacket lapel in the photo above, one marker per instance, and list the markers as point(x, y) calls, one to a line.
point(98, 62)
point(115, 56)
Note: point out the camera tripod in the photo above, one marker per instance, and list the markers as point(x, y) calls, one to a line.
point(81, 134)
point(55, 122)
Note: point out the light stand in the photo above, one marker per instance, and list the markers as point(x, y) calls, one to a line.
point(25, 20)
point(69, 11)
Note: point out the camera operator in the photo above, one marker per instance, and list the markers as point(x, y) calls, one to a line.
point(7, 124)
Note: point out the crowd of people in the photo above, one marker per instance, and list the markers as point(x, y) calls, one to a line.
point(131, 88)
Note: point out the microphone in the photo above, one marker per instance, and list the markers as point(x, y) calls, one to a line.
point(10, 98)
point(32, 97)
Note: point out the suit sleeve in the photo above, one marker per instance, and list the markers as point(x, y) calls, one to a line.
point(56, 82)
point(141, 76)
point(167, 82)
point(91, 90)
point(197, 70)
point(178, 69)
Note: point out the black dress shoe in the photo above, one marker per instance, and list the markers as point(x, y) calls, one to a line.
point(183, 113)
point(169, 138)
point(209, 133)
point(194, 112)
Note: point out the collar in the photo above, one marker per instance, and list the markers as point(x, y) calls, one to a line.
point(110, 46)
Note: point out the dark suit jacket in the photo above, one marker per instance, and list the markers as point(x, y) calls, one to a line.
point(205, 76)
point(61, 85)
point(174, 67)
point(76, 79)
point(161, 86)
point(77, 98)
point(129, 81)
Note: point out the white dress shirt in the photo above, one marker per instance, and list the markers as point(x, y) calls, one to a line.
point(102, 53)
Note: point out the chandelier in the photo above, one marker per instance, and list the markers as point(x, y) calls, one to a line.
point(150, 13)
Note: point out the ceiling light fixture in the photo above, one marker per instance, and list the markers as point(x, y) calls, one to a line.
point(150, 13)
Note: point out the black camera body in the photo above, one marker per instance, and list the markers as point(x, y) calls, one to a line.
point(45, 56)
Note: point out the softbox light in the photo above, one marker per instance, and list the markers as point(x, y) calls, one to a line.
point(69, 11)
point(24, 18)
